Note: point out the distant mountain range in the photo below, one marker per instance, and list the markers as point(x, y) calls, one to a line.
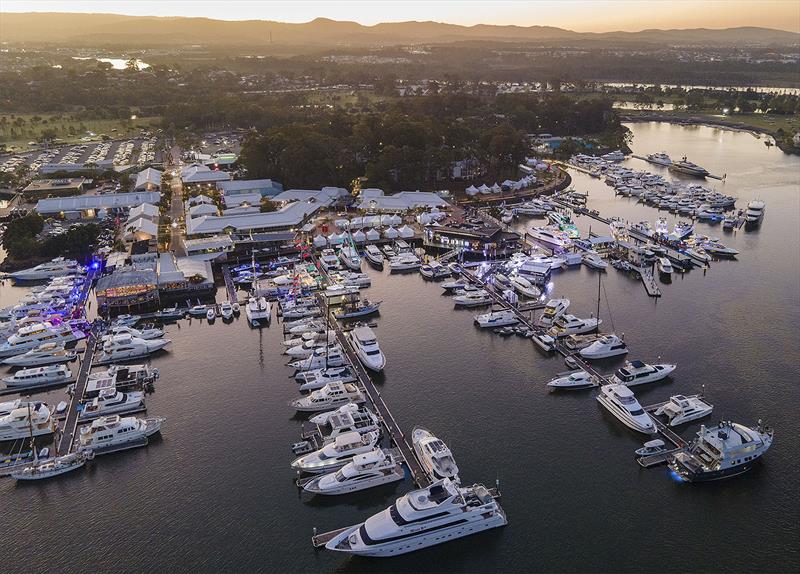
point(108, 29)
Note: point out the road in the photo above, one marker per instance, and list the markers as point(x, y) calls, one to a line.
point(176, 210)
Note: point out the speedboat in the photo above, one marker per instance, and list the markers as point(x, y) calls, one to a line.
point(44, 354)
point(147, 333)
point(169, 314)
point(680, 409)
point(366, 347)
point(198, 311)
point(716, 248)
point(573, 380)
point(374, 255)
point(664, 266)
point(496, 319)
point(639, 373)
point(755, 212)
point(434, 455)
point(438, 513)
point(366, 470)
point(651, 447)
point(477, 298)
point(124, 347)
point(32, 419)
point(525, 287)
point(110, 401)
point(38, 376)
point(336, 454)
point(56, 268)
point(330, 396)
point(127, 320)
point(568, 324)
point(721, 451)
point(350, 257)
point(360, 309)
point(258, 310)
point(31, 336)
point(318, 378)
point(332, 356)
point(211, 314)
point(111, 433)
point(226, 310)
point(50, 467)
point(592, 259)
point(304, 325)
point(451, 286)
point(620, 401)
point(552, 311)
point(306, 348)
point(605, 346)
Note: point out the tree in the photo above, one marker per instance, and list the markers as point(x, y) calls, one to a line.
point(267, 205)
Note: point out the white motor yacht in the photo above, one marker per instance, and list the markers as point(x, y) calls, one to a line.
point(496, 319)
point(525, 287)
point(50, 467)
point(318, 378)
point(664, 266)
point(29, 419)
point(680, 409)
point(592, 259)
point(755, 212)
point(350, 417)
point(620, 401)
point(550, 238)
point(404, 262)
point(323, 357)
point(721, 451)
point(56, 268)
point(111, 402)
point(364, 471)
point(350, 257)
point(366, 347)
point(438, 513)
point(638, 373)
point(336, 454)
point(329, 261)
point(352, 279)
point(124, 347)
point(330, 396)
point(131, 320)
point(477, 298)
point(435, 270)
point(374, 255)
point(552, 311)
point(434, 455)
point(574, 380)
point(605, 346)
point(111, 433)
point(39, 376)
point(226, 310)
point(307, 348)
point(31, 336)
point(198, 311)
point(568, 324)
point(44, 354)
point(304, 325)
point(147, 334)
point(258, 311)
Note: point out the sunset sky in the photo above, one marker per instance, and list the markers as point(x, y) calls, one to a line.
point(579, 15)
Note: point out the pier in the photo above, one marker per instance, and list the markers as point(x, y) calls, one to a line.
point(71, 422)
point(230, 287)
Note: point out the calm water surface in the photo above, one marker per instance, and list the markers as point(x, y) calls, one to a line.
point(216, 492)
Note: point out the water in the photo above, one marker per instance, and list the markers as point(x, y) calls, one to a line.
point(216, 492)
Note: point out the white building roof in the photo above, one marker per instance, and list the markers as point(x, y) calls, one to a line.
point(107, 201)
point(202, 174)
point(269, 186)
point(402, 201)
point(140, 226)
point(147, 177)
point(221, 242)
point(200, 199)
point(238, 199)
point(241, 209)
point(289, 216)
point(325, 196)
point(203, 209)
point(144, 210)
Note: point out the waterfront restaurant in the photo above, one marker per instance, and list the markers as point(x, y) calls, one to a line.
point(127, 289)
point(478, 241)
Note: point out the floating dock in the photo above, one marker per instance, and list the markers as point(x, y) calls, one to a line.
point(230, 287)
point(71, 423)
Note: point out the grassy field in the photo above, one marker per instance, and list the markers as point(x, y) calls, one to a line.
point(16, 130)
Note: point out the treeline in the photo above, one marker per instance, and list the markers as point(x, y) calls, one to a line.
point(21, 243)
point(415, 142)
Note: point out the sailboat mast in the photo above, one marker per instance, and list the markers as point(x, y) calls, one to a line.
point(599, 280)
point(30, 431)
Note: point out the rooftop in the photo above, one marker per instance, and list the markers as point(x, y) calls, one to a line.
point(289, 216)
point(107, 201)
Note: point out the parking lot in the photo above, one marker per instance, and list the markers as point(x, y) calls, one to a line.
point(107, 154)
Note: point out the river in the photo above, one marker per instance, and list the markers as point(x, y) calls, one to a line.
point(215, 493)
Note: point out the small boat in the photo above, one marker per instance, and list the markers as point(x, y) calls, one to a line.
point(198, 311)
point(525, 287)
point(434, 455)
point(544, 341)
point(568, 324)
point(638, 373)
point(573, 380)
point(318, 378)
point(605, 346)
point(651, 447)
point(337, 454)
point(454, 285)
point(127, 320)
point(360, 309)
point(404, 262)
point(620, 401)
point(226, 310)
point(477, 298)
point(148, 333)
point(496, 319)
point(664, 266)
point(680, 409)
point(331, 356)
point(366, 470)
point(170, 314)
point(51, 467)
point(328, 397)
point(348, 255)
point(374, 255)
point(39, 376)
point(211, 314)
point(434, 270)
point(236, 308)
point(593, 260)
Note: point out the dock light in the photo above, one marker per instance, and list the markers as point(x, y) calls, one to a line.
point(675, 476)
point(95, 265)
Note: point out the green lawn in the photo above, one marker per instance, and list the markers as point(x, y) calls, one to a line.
point(19, 129)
